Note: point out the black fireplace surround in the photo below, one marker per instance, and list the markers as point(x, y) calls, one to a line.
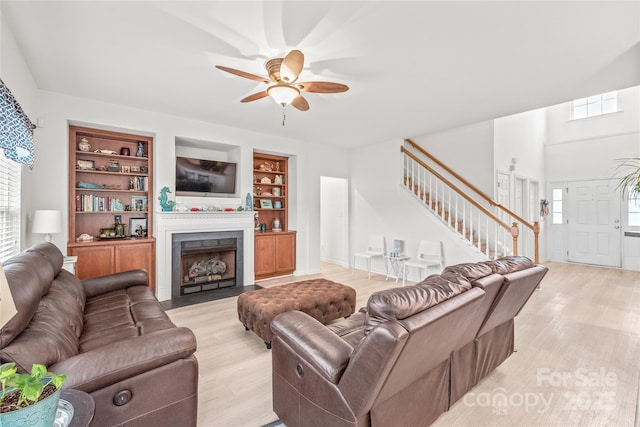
point(223, 246)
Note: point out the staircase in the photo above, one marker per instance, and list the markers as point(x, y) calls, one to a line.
point(484, 224)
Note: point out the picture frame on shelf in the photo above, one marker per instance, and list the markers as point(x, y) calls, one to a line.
point(266, 204)
point(135, 169)
point(125, 169)
point(138, 227)
point(139, 203)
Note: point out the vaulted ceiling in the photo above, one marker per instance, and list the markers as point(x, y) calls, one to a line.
point(413, 67)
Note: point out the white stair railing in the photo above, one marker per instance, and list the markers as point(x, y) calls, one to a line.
point(475, 223)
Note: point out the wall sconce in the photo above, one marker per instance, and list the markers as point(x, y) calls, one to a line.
point(47, 222)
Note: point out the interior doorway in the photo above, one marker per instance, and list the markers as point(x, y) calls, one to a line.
point(334, 220)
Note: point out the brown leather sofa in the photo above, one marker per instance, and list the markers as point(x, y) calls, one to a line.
point(109, 335)
point(397, 361)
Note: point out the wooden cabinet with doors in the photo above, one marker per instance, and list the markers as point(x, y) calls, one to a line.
point(275, 248)
point(110, 182)
point(275, 254)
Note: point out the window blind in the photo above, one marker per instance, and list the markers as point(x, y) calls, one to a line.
point(9, 208)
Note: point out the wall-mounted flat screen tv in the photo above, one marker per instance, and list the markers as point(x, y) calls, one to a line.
point(205, 178)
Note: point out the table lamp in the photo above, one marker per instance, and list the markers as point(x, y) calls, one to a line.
point(47, 222)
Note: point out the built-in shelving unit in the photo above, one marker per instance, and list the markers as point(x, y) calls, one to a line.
point(110, 179)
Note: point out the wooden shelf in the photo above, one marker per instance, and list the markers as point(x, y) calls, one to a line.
point(105, 256)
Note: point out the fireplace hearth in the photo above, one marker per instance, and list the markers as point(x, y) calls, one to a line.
point(205, 262)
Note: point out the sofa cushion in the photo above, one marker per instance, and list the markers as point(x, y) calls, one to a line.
point(52, 334)
point(466, 273)
point(29, 276)
point(400, 303)
point(509, 264)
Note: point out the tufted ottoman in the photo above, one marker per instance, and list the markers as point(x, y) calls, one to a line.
point(322, 299)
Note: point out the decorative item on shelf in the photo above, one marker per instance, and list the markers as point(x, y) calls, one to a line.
point(107, 233)
point(103, 151)
point(266, 193)
point(165, 203)
point(117, 219)
point(257, 191)
point(84, 145)
point(277, 204)
point(120, 232)
point(88, 165)
point(82, 184)
point(240, 208)
point(248, 204)
point(125, 169)
point(124, 151)
point(265, 180)
point(102, 168)
point(139, 203)
point(140, 150)
point(144, 169)
point(84, 237)
point(256, 221)
point(138, 227)
point(135, 169)
point(114, 166)
point(278, 166)
point(266, 166)
point(276, 191)
point(116, 205)
point(263, 227)
point(266, 204)
point(277, 225)
point(278, 179)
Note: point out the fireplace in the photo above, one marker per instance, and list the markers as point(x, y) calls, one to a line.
point(205, 261)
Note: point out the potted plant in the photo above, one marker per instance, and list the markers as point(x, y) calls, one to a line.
point(629, 181)
point(29, 398)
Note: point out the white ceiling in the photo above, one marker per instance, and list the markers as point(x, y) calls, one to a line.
point(413, 67)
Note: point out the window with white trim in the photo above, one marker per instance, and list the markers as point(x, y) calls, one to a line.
point(633, 211)
point(9, 208)
point(556, 206)
point(595, 105)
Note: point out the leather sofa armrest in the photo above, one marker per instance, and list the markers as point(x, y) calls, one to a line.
point(312, 341)
point(112, 282)
point(103, 366)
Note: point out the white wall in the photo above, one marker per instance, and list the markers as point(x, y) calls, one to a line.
point(380, 205)
point(468, 150)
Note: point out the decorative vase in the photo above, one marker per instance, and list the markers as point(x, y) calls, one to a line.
point(39, 414)
point(84, 145)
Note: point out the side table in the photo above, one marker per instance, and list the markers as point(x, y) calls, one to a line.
point(83, 406)
point(396, 265)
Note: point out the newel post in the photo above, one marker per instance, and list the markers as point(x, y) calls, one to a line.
point(514, 233)
point(536, 231)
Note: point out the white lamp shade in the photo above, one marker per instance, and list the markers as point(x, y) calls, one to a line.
point(47, 222)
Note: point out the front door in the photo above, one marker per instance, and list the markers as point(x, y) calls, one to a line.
point(594, 223)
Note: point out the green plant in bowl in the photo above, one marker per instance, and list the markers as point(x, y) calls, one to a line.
point(23, 390)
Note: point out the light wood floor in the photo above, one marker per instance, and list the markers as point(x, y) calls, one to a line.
point(577, 361)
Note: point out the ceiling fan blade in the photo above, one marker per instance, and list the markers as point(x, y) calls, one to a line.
point(255, 96)
point(322, 87)
point(243, 74)
point(300, 103)
point(291, 66)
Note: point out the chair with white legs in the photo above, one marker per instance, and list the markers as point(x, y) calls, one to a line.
point(374, 249)
point(429, 255)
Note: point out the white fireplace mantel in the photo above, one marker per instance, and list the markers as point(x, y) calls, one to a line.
point(168, 223)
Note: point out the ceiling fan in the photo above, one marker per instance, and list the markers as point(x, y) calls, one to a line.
point(282, 82)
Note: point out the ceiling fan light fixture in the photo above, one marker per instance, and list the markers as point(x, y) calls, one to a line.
point(283, 94)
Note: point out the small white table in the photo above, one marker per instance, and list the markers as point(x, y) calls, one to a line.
point(69, 263)
point(395, 265)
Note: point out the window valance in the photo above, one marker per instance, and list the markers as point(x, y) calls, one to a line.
point(16, 130)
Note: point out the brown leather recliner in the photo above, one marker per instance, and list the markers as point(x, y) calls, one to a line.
point(394, 372)
point(406, 357)
point(109, 335)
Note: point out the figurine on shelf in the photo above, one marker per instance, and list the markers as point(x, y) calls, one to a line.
point(277, 166)
point(248, 205)
point(140, 152)
point(165, 203)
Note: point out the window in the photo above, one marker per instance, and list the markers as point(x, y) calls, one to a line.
point(9, 208)
point(556, 206)
point(634, 211)
point(595, 105)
